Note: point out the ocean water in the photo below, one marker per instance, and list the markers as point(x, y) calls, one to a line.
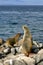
point(13, 17)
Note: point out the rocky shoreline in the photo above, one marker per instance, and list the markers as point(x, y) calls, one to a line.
point(12, 56)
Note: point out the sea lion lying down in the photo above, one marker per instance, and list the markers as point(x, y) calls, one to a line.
point(11, 41)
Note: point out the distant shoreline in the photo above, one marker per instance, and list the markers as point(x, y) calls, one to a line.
point(21, 5)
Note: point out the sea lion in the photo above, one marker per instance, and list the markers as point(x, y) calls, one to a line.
point(27, 41)
point(11, 41)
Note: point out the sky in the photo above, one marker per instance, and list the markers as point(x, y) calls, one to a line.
point(21, 2)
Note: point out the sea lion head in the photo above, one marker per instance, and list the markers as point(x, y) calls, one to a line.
point(18, 34)
point(25, 28)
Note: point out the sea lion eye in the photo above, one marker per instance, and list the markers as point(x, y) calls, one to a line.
point(24, 27)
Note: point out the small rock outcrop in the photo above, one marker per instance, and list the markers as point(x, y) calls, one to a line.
point(6, 51)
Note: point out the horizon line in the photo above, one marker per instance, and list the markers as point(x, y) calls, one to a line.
point(21, 5)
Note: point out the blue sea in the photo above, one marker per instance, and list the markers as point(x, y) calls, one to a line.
point(13, 17)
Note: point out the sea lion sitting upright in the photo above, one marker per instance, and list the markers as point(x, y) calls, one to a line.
point(27, 41)
point(11, 41)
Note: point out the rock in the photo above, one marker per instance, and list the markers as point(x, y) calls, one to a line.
point(9, 62)
point(17, 49)
point(35, 43)
point(36, 47)
point(1, 63)
point(39, 58)
point(40, 44)
point(7, 50)
point(3, 45)
point(14, 62)
point(2, 55)
point(19, 62)
point(1, 41)
point(26, 60)
point(20, 59)
point(41, 51)
point(13, 51)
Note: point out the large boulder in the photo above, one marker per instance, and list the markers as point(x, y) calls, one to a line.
point(39, 57)
point(20, 59)
point(14, 62)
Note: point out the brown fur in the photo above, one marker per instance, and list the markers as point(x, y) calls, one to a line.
point(11, 41)
point(1, 41)
point(27, 41)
